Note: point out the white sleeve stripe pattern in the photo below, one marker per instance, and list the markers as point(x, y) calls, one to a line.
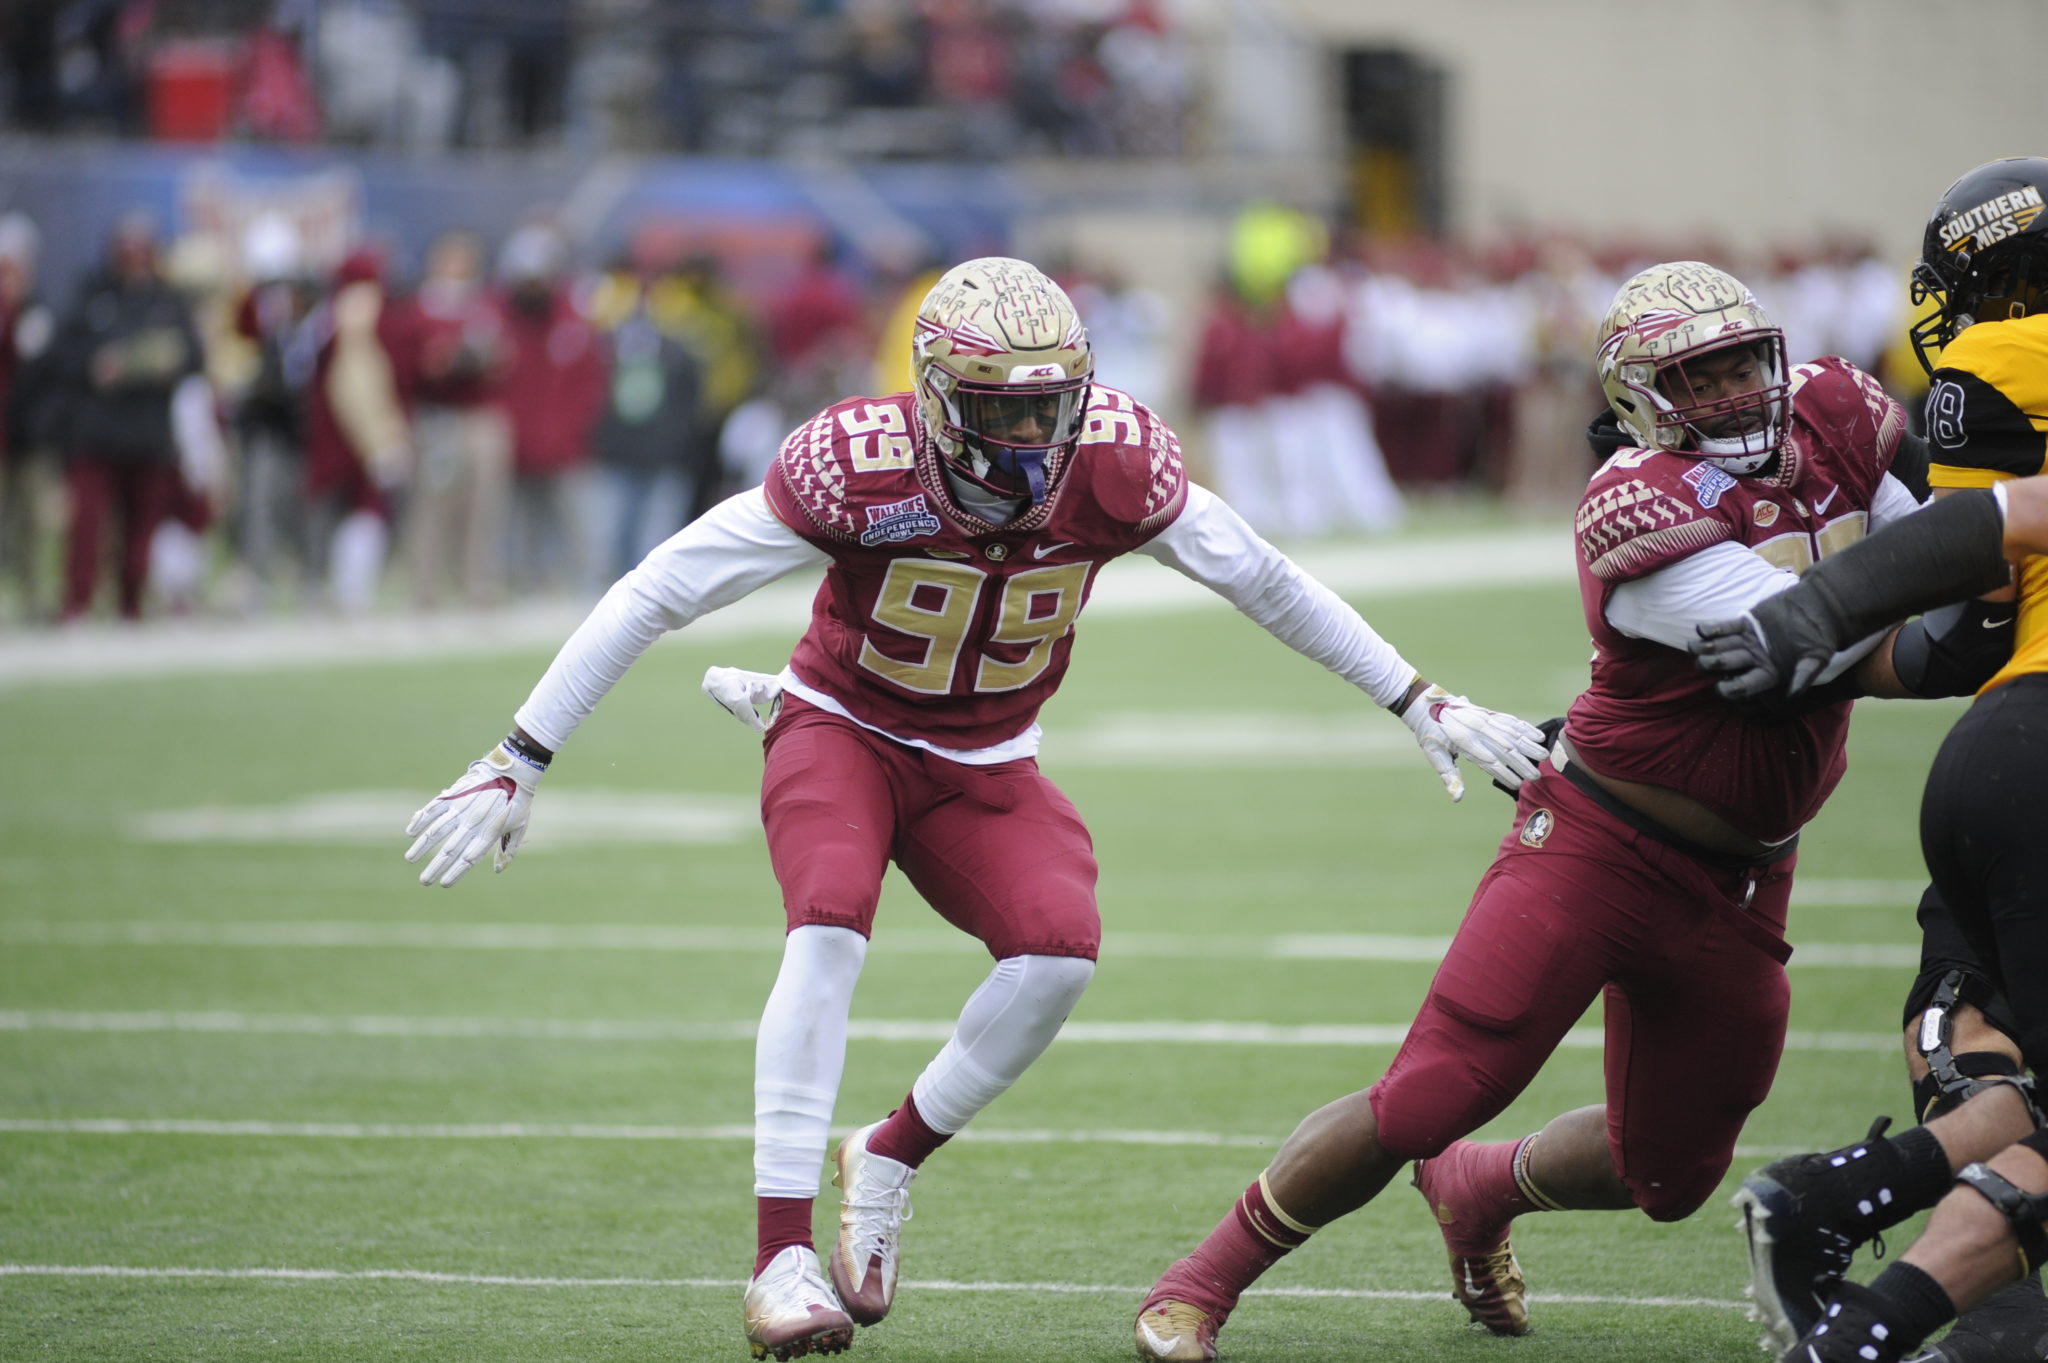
point(735, 548)
point(1211, 544)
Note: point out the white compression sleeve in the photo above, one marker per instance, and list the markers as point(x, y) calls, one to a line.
point(1007, 1023)
point(799, 1056)
point(735, 548)
point(1719, 582)
point(1212, 544)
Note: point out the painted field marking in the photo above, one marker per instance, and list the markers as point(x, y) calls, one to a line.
point(595, 1131)
point(1150, 1033)
point(412, 934)
point(424, 1276)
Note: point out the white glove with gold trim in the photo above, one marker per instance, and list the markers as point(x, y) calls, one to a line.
point(1450, 727)
point(754, 698)
point(486, 809)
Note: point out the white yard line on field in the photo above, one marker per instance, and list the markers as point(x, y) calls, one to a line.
point(1405, 567)
point(412, 934)
point(1189, 1033)
point(423, 1276)
point(593, 1131)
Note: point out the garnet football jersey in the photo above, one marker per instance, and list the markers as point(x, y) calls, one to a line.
point(1650, 715)
point(1987, 420)
point(931, 623)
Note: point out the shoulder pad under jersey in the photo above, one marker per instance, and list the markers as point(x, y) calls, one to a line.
point(1646, 509)
point(871, 440)
point(1133, 461)
point(1848, 408)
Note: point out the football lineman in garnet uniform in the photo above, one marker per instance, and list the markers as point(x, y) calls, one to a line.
point(1650, 859)
point(961, 527)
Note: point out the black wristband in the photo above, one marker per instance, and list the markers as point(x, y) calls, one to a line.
point(530, 753)
point(1954, 650)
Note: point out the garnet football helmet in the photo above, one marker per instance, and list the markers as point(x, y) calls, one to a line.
point(1984, 257)
point(1001, 367)
point(1675, 315)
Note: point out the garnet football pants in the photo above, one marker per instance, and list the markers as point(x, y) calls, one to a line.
point(141, 493)
point(997, 850)
point(1980, 829)
point(1576, 905)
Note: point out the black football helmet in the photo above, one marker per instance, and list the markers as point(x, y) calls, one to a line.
point(1984, 257)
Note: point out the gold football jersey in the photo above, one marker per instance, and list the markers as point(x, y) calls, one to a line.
point(1987, 420)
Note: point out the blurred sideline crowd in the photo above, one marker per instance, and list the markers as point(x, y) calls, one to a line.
point(914, 78)
point(233, 428)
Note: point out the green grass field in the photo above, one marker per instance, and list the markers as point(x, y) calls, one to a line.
point(262, 1097)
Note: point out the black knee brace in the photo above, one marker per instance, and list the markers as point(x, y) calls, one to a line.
point(1954, 1079)
point(2023, 1211)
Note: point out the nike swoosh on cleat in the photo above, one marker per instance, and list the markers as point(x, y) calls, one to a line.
point(1040, 551)
point(1154, 1342)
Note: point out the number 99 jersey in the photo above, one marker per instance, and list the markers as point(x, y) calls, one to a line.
point(936, 625)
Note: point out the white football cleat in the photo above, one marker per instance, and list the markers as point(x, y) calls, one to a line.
point(874, 1206)
point(792, 1311)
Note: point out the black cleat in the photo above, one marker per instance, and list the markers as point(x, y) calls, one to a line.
point(1804, 1220)
point(2009, 1326)
point(1850, 1329)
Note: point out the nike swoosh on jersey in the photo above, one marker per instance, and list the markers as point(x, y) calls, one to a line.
point(1820, 507)
point(1040, 551)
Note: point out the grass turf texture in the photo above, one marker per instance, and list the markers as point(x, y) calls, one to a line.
point(1247, 850)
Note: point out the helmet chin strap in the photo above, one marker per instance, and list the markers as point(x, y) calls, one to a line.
point(1744, 453)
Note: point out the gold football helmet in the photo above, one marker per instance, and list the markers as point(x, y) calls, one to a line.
point(1691, 364)
point(1001, 367)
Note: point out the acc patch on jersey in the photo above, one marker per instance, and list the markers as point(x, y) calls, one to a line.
point(1708, 483)
point(1536, 831)
point(895, 522)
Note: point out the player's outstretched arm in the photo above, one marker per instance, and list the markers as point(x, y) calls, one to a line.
point(1953, 550)
point(1211, 544)
point(735, 548)
point(485, 810)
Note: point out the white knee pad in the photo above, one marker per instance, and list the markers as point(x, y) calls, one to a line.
point(1007, 1024)
point(799, 1056)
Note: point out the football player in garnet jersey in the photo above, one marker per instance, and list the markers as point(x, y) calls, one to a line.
point(1983, 1018)
point(961, 527)
point(1650, 859)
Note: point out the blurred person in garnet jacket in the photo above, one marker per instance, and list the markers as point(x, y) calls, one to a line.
point(121, 352)
point(555, 378)
point(451, 347)
point(30, 500)
point(358, 442)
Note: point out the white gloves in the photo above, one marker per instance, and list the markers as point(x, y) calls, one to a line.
point(1449, 727)
point(755, 698)
point(486, 809)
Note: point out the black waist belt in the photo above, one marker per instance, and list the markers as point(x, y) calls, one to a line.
point(1576, 773)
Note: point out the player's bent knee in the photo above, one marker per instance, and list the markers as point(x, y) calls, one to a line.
point(1424, 1112)
point(1051, 985)
point(1675, 1199)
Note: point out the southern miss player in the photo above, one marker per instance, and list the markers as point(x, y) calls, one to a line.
point(961, 527)
point(1650, 860)
point(1985, 260)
